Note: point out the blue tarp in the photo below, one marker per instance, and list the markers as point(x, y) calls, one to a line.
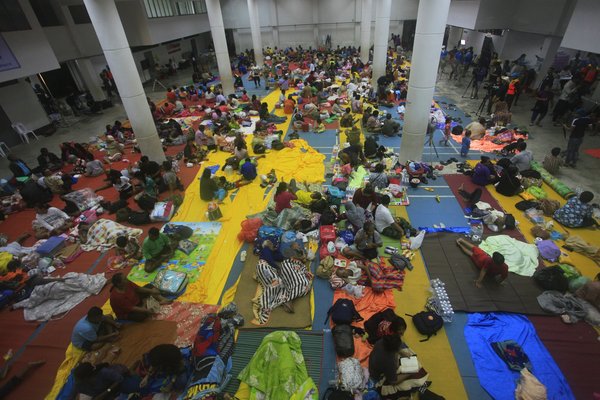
point(494, 375)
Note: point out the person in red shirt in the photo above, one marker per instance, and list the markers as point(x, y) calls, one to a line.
point(171, 95)
point(128, 299)
point(283, 198)
point(168, 108)
point(365, 196)
point(493, 266)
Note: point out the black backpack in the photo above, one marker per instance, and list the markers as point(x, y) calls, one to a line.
point(277, 145)
point(259, 148)
point(509, 221)
point(337, 394)
point(343, 312)
point(343, 340)
point(551, 278)
point(427, 323)
point(139, 218)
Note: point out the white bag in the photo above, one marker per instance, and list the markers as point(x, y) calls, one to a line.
point(409, 365)
point(351, 374)
point(417, 241)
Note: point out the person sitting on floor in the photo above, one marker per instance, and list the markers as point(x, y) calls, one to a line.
point(209, 190)
point(373, 125)
point(147, 193)
point(164, 363)
point(347, 120)
point(50, 221)
point(352, 154)
point(552, 162)
point(493, 266)
point(379, 179)
point(355, 216)
point(364, 197)
point(577, 212)
point(522, 160)
point(248, 171)
point(384, 363)
point(385, 223)
point(169, 180)
point(114, 150)
point(509, 183)
point(93, 330)
point(157, 249)
point(104, 381)
point(128, 249)
point(48, 160)
point(477, 129)
point(283, 198)
point(128, 300)
point(390, 127)
point(484, 172)
point(270, 254)
point(93, 167)
point(56, 183)
point(18, 167)
point(368, 240)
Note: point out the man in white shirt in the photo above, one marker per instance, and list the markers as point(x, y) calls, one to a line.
point(385, 223)
point(522, 160)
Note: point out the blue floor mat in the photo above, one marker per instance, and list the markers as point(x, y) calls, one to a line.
point(236, 270)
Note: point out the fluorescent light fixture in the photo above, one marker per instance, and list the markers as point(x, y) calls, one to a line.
point(463, 42)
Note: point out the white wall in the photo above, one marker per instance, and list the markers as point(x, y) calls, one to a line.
point(538, 16)
point(517, 43)
point(30, 48)
point(20, 104)
point(583, 31)
point(473, 39)
point(463, 13)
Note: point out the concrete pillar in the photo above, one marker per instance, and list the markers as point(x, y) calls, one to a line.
point(315, 21)
point(551, 45)
point(365, 29)
point(431, 23)
point(255, 28)
point(90, 78)
point(454, 35)
point(111, 35)
point(382, 36)
point(215, 18)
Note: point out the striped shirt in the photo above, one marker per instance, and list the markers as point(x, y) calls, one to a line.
point(552, 163)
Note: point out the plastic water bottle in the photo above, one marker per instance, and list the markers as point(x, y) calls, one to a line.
point(404, 181)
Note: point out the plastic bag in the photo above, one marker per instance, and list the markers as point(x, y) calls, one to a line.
point(417, 241)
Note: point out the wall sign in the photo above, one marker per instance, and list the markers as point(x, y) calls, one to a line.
point(8, 60)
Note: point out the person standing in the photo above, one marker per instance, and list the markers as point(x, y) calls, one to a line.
point(540, 108)
point(578, 128)
point(565, 99)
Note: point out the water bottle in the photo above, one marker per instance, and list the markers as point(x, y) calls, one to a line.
point(404, 181)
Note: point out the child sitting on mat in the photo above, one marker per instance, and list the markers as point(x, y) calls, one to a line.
point(493, 266)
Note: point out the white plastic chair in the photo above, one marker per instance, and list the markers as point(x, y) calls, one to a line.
point(4, 149)
point(23, 131)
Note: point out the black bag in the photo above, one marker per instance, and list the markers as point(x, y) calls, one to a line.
point(400, 262)
point(372, 324)
point(139, 218)
point(427, 323)
point(343, 312)
point(526, 205)
point(343, 340)
point(259, 149)
point(277, 145)
point(509, 221)
point(328, 217)
point(337, 394)
point(551, 278)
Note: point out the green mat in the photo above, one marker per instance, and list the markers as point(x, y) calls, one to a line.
point(249, 340)
point(205, 235)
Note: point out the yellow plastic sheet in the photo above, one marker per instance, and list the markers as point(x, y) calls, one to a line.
point(436, 354)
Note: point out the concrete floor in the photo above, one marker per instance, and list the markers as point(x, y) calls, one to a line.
point(543, 138)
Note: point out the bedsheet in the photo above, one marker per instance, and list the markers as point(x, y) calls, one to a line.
point(520, 257)
point(494, 375)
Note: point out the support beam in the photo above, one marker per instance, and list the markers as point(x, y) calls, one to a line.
point(454, 35)
point(431, 23)
point(90, 78)
point(217, 29)
point(256, 35)
point(382, 35)
point(365, 29)
point(111, 35)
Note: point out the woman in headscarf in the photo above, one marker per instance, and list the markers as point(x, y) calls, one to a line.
point(355, 215)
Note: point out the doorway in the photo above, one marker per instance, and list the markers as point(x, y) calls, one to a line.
point(230, 42)
point(408, 33)
point(60, 82)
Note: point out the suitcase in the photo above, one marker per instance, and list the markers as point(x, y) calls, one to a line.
point(163, 211)
point(51, 246)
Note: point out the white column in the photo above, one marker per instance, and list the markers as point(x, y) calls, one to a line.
point(113, 41)
point(256, 35)
point(431, 23)
point(382, 35)
point(454, 35)
point(215, 18)
point(551, 45)
point(90, 77)
point(365, 29)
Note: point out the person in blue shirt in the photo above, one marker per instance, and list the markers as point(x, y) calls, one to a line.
point(465, 144)
point(94, 329)
point(248, 171)
point(577, 212)
point(18, 167)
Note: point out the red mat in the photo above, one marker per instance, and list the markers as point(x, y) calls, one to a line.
point(593, 152)
point(575, 350)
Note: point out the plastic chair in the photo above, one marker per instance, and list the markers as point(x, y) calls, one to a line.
point(23, 131)
point(4, 149)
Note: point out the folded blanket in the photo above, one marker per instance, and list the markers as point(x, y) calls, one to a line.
point(56, 298)
point(520, 257)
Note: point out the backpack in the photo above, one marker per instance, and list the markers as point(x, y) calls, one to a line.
point(277, 145)
point(333, 393)
point(343, 312)
point(343, 340)
point(138, 218)
point(259, 148)
point(427, 323)
point(182, 231)
point(551, 278)
point(509, 221)
point(207, 339)
point(372, 324)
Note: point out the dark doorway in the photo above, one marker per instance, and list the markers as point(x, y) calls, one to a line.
point(148, 64)
point(7, 134)
point(60, 82)
point(230, 42)
point(487, 49)
point(194, 48)
point(408, 33)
